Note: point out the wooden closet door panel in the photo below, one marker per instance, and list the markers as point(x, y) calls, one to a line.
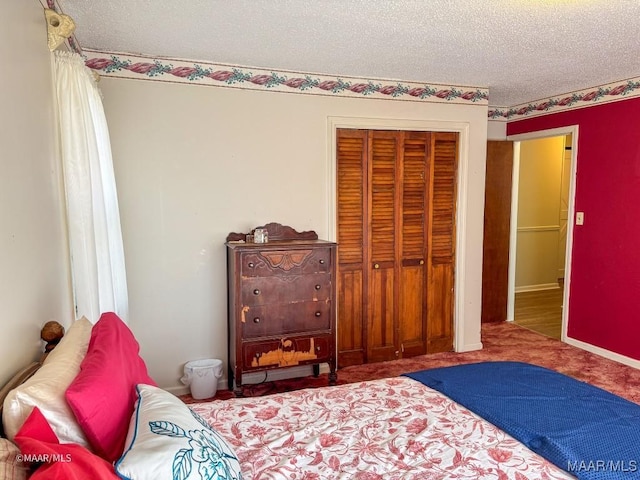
point(351, 333)
point(382, 337)
point(440, 321)
point(412, 286)
point(352, 214)
point(384, 152)
point(440, 292)
point(415, 161)
point(413, 308)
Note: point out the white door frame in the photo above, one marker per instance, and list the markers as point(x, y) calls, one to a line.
point(555, 132)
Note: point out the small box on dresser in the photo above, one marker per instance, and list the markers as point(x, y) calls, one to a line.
point(281, 302)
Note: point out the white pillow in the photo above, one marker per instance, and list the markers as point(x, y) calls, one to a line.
point(45, 389)
point(10, 468)
point(167, 440)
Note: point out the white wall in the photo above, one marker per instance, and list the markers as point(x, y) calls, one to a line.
point(34, 279)
point(496, 130)
point(194, 163)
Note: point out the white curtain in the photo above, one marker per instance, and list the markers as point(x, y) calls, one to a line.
point(95, 237)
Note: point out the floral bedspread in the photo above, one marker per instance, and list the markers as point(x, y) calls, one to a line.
point(383, 429)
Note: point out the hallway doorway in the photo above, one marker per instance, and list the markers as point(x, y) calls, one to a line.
point(541, 204)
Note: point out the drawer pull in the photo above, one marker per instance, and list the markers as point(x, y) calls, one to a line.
point(256, 292)
point(317, 314)
point(321, 261)
point(256, 320)
point(318, 287)
point(318, 348)
point(251, 264)
point(376, 265)
point(421, 262)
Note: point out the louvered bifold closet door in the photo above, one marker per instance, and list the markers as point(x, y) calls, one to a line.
point(412, 316)
point(396, 214)
point(352, 240)
point(441, 256)
point(384, 171)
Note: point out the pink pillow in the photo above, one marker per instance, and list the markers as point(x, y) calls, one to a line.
point(66, 461)
point(103, 395)
point(36, 427)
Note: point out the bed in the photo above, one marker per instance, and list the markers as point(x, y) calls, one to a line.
point(92, 411)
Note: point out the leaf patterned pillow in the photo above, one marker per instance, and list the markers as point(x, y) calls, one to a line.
point(167, 440)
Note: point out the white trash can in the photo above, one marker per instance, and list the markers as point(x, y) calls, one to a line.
point(202, 377)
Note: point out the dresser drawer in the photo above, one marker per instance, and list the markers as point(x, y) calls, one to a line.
point(287, 352)
point(285, 318)
point(293, 288)
point(285, 262)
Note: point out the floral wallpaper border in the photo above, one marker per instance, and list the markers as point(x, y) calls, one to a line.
point(611, 92)
point(124, 65)
point(202, 73)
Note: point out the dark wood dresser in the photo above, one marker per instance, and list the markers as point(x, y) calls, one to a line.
point(281, 302)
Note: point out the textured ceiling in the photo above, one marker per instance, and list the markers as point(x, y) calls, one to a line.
point(522, 50)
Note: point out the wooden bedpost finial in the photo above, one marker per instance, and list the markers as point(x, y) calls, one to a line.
point(51, 333)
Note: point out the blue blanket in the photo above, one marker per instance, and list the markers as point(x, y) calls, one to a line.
point(587, 431)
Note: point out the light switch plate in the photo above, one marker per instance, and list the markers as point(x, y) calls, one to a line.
point(579, 218)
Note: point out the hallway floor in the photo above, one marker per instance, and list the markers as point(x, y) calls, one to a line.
point(540, 311)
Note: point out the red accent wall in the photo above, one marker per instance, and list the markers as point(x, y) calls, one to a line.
point(604, 303)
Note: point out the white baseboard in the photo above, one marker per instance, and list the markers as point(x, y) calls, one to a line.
point(259, 377)
point(535, 288)
point(470, 347)
point(603, 352)
point(183, 390)
point(177, 390)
